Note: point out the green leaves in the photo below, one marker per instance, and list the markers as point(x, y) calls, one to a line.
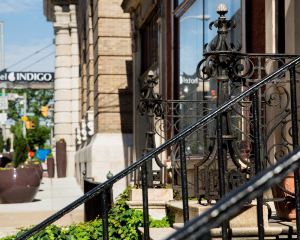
point(21, 149)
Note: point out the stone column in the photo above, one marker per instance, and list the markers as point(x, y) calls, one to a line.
point(75, 86)
point(66, 81)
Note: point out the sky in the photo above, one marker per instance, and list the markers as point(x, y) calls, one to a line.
point(27, 33)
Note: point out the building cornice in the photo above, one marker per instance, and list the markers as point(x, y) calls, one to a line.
point(63, 2)
point(49, 7)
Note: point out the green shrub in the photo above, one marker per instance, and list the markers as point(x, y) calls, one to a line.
point(21, 149)
point(123, 224)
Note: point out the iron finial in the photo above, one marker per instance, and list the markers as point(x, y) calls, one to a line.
point(222, 9)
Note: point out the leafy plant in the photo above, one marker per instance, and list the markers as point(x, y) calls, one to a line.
point(21, 149)
point(1, 142)
point(124, 221)
point(7, 145)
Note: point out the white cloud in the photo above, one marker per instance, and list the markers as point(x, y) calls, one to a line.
point(9, 6)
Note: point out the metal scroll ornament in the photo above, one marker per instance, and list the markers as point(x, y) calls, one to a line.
point(151, 105)
point(222, 64)
point(150, 102)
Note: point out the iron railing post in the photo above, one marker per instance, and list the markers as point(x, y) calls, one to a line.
point(221, 169)
point(104, 213)
point(257, 160)
point(184, 184)
point(293, 89)
point(145, 201)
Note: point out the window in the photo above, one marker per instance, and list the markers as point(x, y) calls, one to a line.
point(149, 43)
point(197, 97)
point(194, 33)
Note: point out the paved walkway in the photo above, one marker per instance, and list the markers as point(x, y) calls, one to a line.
point(53, 195)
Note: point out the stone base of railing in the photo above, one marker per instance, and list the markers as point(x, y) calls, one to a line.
point(276, 230)
point(247, 218)
point(157, 209)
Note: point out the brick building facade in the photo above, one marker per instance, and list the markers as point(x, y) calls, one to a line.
point(103, 134)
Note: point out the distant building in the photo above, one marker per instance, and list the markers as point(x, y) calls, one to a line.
point(93, 85)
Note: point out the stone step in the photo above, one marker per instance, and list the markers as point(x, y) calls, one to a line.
point(244, 226)
point(247, 217)
point(275, 230)
point(157, 199)
point(271, 233)
point(158, 233)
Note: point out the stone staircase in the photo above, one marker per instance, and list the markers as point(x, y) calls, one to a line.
point(243, 226)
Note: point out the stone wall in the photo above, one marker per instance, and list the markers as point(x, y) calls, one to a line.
point(106, 70)
point(113, 67)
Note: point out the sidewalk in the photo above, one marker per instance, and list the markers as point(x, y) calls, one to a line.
point(53, 195)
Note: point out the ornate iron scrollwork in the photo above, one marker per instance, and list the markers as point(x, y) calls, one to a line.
point(150, 101)
point(223, 64)
point(151, 105)
point(236, 72)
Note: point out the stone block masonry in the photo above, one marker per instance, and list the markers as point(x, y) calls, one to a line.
point(108, 88)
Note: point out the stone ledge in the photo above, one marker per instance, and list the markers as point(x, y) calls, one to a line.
point(158, 204)
point(247, 231)
point(163, 194)
point(195, 209)
point(157, 209)
point(272, 232)
point(158, 233)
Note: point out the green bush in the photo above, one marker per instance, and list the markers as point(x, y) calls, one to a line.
point(7, 145)
point(21, 149)
point(123, 224)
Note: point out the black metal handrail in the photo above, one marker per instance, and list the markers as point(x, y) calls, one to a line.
point(232, 203)
point(179, 138)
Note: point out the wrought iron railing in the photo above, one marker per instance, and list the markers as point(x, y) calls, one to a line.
point(247, 116)
point(179, 139)
point(274, 122)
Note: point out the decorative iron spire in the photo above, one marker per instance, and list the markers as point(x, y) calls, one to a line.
point(224, 26)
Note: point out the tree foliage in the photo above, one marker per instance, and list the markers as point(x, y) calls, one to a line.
point(35, 138)
point(38, 136)
point(35, 100)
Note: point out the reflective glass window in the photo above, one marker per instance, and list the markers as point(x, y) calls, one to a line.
point(194, 34)
point(197, 97)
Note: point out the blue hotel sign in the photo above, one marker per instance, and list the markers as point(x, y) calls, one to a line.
point(38, 77)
